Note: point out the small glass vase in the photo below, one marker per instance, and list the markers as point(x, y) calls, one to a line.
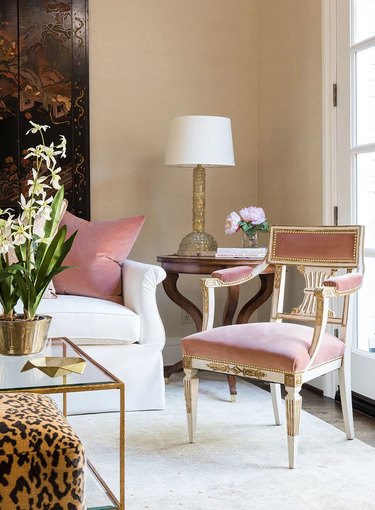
point(250, 241)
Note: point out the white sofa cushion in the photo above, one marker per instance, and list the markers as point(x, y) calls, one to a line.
point(85, 317)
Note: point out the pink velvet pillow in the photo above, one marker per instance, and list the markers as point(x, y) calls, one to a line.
point(97, 253)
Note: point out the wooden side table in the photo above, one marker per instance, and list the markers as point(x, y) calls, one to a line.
point(175, 265)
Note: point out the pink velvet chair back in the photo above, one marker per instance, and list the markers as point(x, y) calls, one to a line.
point(316, 246)
point(319, 253)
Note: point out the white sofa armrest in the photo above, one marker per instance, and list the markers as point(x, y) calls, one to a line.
point(139, 282)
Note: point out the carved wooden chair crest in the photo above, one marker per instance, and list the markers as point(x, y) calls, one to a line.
point(284, 352)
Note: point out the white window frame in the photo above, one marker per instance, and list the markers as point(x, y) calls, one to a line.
point(329, 136)
point(332, 119)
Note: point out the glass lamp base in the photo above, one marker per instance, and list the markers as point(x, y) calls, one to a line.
point(197, 243)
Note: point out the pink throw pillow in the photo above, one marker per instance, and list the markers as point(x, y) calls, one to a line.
point(97, 254)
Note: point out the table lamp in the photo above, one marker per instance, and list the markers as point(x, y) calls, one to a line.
point(199, 141)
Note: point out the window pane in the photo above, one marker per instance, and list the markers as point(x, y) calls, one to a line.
point(365, 164)
point(365, 81)
point(366, 309)
point(366, 196)
point(364, 16)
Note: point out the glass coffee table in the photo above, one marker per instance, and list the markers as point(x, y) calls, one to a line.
point(94, 377)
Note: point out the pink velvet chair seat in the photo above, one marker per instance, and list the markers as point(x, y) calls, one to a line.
point(276, 346)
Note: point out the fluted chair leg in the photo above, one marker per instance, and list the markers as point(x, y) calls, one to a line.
point(191, 382)
point(346, 397)
point(276, 402)
point(293, 404)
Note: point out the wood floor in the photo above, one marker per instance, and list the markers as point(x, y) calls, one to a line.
point(330, 411)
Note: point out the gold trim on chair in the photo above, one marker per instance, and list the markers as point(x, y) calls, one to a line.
point(274, 257)
point(236, 370)
point(307, 352)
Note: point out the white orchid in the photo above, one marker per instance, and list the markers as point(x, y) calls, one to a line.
point(5, 244)
point(20, 233)
point(62, 146)
point(32, 248)
point(5, 234)
point(36, 184)
point(36, 152)
point(49, 154)
point(36, 128)
point(44, 209)
point(43, 240)
point(5, 211)
point(55, 178)
point(27, 207)
point(5, 224)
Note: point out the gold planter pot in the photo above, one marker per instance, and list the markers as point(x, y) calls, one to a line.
point(21, 336)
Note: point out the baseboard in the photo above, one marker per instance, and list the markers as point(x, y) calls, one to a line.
point(361, 403)
point(314, 389)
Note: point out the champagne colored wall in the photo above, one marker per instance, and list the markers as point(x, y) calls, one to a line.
point(290, 120)
point(289, 110)
point(151, 61)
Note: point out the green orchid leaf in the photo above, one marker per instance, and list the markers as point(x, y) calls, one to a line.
point(55, 254)
point(52, 224)
point(51, 255)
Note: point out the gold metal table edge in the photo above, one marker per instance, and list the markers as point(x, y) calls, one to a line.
point(116, 385)
point(65, 389)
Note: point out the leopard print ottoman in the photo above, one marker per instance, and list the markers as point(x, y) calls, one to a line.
point(41, 458)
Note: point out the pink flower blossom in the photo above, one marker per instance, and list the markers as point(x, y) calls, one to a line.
point(254, 215)
point(231, 223)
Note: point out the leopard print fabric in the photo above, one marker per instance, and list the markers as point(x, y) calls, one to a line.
point(41, 458)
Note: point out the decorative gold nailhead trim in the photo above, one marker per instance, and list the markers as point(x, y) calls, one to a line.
point(221, 283)
point(189, 359)
point(315, 232)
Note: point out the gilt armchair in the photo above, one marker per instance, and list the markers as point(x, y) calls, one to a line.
point(289, 353)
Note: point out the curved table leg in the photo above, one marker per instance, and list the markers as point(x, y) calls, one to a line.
point(266, 287)
point(233, 294)
point(170, 287)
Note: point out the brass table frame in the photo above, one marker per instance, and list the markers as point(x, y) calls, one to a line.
point(115, 385)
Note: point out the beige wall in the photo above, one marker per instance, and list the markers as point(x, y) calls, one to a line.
point(290, 119)
point(256, 61)
point(289, 110)
point(149, 61)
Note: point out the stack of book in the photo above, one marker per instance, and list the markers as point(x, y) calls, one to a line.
point(241, 253)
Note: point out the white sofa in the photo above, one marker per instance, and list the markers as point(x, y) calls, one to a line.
point(126, 339)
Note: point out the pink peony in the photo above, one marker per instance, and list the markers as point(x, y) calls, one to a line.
point(254, 215)
point(231, 223)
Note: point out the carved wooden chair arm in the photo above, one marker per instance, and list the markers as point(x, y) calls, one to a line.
point(337, 286)
point(224, 278)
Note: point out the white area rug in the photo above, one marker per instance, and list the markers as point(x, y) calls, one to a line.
point(240, 458)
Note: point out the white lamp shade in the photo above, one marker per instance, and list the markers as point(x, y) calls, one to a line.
point(199, 140)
